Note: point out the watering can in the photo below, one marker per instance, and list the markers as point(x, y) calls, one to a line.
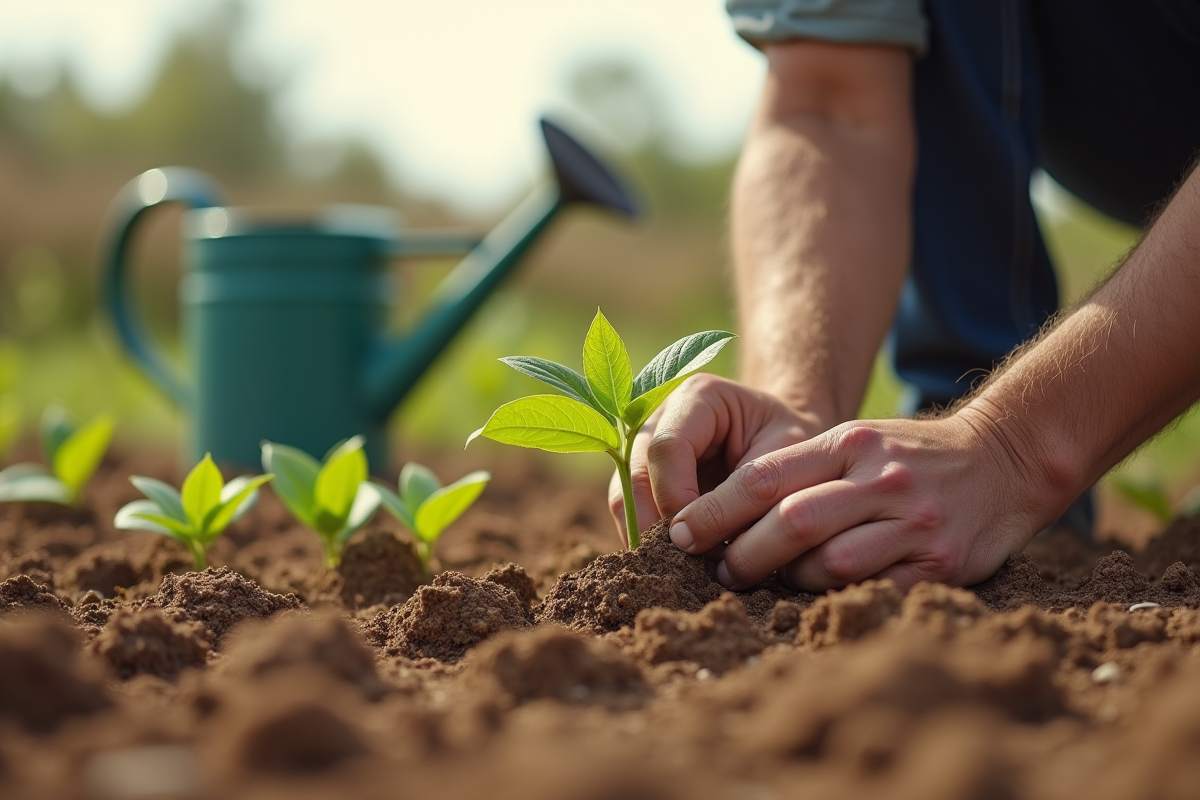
point(284, 322)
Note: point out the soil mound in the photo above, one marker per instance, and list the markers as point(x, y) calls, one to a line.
point(23, 594)
point(849, 614)
point(218, 599)
point(444, 620)
point(147, 642)
point(558, 664)
point(43, 680)
point(608, 594)
point(718, 637)
point(260, 651)
point(514, 578)
point(378, 569)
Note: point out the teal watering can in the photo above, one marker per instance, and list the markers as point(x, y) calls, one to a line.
point(284, 322)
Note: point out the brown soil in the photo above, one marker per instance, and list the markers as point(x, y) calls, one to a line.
point(539, 664)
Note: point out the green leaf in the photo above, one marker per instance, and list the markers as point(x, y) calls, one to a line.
point(142, 515)
point(338, 481)
point(10, 422)
point(565, 379)
point(53, 429)
point(395, 506)
point(295, 474)
point(79, 454)
point(550, 422)
point(416, 484)
point(640, 408)
point(366, 500)
point(1150, 497)
point(685, 356)
point(238, 497)
point(25, 482)
point(606, 366)
point(202, 492)
point(164, 495)
point(448, 504)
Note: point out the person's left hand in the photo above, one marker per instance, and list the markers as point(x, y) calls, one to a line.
point(937, 500)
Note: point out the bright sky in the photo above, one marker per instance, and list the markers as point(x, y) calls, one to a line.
point(447, 90)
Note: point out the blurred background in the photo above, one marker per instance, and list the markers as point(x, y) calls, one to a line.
point(430, 108)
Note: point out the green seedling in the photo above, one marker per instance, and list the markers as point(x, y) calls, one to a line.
point(197, 515)
point(605, 407)
point(426, 507)
point(1151, 497)
point(73, 455)
point(333, 498)
point(10, 407)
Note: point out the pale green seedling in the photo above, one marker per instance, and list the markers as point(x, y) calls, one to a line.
point(332, 498)
point(605, 407)
point(197, 515)
point(73, 454)
point(426, 507)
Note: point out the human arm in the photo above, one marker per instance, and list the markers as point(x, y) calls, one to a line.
point(820, 228)
point(950, 499)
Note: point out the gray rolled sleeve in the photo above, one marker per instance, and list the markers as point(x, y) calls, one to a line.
point(889, 22)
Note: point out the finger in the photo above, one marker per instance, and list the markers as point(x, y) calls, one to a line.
point(690, 425)
point(750, 493)
point(908, 574)
point(852, 556)
point(798, 524)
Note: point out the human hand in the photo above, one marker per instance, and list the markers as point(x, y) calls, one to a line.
point(705, 430)
point(937, 500)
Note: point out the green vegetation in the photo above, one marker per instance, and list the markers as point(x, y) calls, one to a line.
point(73, 454)
point(332, 498)
point(198, 515)
point(604, 408)
point(426, 507)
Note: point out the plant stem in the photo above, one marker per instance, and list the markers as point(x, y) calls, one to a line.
point(333, 551)
point(199, 556)
point(634, 536)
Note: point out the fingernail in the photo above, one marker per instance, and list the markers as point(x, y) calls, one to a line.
point(724, 578)
point(681, 536)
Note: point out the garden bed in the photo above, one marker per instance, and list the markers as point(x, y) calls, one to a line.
point(542, 665)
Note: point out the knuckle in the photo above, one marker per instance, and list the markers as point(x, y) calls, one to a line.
point(760, 480)
point(741, 567)
point(857, 436)
point(894, 478)
point(798, 522)
point(927, 514)
point(839, 564)
point(664, 444)
point(705, 516)
point(639, 476)
point(941, 562)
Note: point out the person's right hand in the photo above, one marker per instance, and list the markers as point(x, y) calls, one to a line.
point(706, 429)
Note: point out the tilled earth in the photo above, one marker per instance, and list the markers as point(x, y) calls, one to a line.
point(540, 664)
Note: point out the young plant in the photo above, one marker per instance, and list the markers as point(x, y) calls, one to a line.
point(198, 515)
point(73, 454)
point(605, 407)
point(426, 507)
point(333, 498)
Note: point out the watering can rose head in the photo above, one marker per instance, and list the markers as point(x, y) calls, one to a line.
point(268, 304)
point(601, 410)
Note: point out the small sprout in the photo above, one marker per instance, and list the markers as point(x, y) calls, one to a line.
point(198, 515)
point(605, 407)
point(73, 454)
point(1150, 496)
point(333, 498)
point(426, 507)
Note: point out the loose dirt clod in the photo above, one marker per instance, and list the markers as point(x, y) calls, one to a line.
point(607, 594)
point(444, 620)
point(147, 642)
point(849, 614)
point(558, 664)
point(218, 599)
point(23, 594)
point(718, 637)
point(43, 681)
point(378, 569)
point(260, 651)
point(514, 578)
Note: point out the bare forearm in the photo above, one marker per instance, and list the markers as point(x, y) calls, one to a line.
point(821, 221)
point(1115, 371)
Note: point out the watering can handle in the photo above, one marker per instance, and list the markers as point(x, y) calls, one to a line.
point(189, 187)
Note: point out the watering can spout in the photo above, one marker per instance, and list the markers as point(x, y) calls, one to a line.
point(580, 178)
